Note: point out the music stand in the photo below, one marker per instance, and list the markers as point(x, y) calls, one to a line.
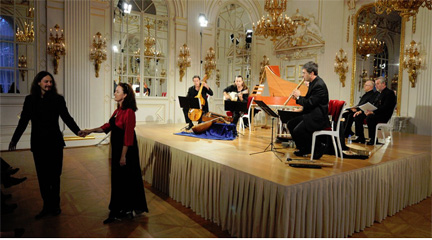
point(188, 102)
point(235, 106)
point(273, 115)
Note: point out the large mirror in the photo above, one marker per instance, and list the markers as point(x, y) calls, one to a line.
point(232, 51)
point(386, 63)
point(141, 40)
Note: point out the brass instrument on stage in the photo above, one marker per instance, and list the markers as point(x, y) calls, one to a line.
point(195, 114)
point(210, 116)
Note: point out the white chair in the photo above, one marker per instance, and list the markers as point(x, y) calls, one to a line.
point(388, 126)
point(247, 115)
point(336, 108)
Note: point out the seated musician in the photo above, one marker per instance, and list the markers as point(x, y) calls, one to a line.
point(385, 103)
point(315, 113)
point(192, 92)
point(369, 96)
point(237, 92)
point(146, 91)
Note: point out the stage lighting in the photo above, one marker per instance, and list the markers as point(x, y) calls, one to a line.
point(202, 20)
point(249, 36)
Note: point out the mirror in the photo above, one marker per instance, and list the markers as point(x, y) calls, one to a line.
point(142, 47)
point(232, 51)
point(390, 31)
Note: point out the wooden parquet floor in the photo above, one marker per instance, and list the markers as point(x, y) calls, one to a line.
point(85, 192)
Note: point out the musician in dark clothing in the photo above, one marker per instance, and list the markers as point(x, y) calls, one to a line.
point(315, 113)
point(236, 92)
point(192, 92)
point(369, 96)
point(43, 107)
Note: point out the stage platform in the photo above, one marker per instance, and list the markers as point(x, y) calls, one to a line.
point(261, 196)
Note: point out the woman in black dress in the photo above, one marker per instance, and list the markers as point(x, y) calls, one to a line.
point(127, 189)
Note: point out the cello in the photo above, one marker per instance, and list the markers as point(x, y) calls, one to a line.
point(195, 114)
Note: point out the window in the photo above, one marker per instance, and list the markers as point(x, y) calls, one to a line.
point(17, 51)
point(232, 51)
point(141, 39)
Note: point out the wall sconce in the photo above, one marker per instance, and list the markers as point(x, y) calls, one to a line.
point(27, 35)
point(264, 63)
point(217, 77)
point(209, 64)
point(56, 46)
point(184, 60)
point(98, 52)
point(341, 66)
point(22, 63)
point(412, 62)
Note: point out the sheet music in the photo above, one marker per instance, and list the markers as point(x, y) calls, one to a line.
point(367, 107)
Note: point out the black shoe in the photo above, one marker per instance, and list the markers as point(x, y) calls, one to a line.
point(111, 219)
point(5, 196)
point(189, 127)
point(13, 181)
point(42, 214)
point(12, 171)
point(56, 211)
point(370, 143)
point(8, 208)
point(359, 140)
point(300, 153)
point(319, 151)
point(18, 232)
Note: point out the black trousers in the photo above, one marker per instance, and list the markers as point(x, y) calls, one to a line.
point(301, 136)
point(49, 166)
point(349, 120)
point(371, 121)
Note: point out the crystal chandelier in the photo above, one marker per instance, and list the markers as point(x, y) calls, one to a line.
point(149, 42)
point(275, 25)
point(367, 43)
point(406, 8)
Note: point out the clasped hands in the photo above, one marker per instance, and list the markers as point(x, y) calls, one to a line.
point(84, 133)
point(367, 113)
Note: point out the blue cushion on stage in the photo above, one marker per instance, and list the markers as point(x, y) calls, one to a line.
point(217, 131)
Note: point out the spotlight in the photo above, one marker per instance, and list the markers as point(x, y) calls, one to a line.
point(232, 38)
point(202, 20)
point(115, 48)
point(124, 6)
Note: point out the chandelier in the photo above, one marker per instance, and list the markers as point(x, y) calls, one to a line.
point(149, 42)
point(412, 61)
point(406, 8)
point(27, 35)
point(367, 43)
point(275, 25)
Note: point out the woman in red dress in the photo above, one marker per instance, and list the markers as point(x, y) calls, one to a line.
point(127, 189)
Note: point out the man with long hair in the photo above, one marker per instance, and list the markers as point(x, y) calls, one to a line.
point(43, 107)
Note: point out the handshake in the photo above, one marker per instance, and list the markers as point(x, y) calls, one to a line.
point(84, 133)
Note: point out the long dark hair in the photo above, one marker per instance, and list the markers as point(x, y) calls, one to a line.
point(129, 101)
point(35, 88)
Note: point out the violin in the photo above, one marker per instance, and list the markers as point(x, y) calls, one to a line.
point(195, 114)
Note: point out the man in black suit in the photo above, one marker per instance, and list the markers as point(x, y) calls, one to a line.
point(385, 103)
point(43, 107)
point(369, 96)
point(315, 112)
